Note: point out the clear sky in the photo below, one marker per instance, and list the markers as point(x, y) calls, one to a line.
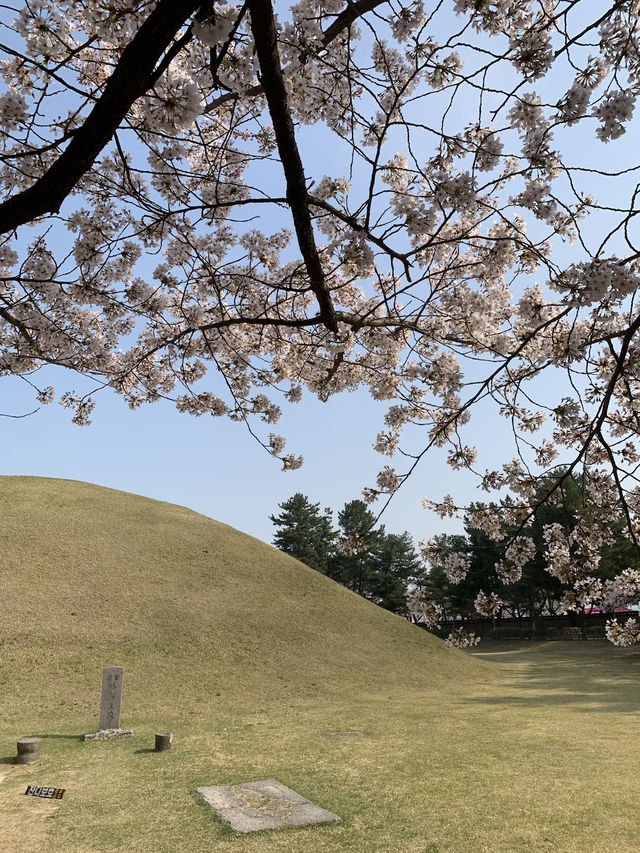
point(214, 466)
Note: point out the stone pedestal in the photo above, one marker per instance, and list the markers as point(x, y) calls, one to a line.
point(28, 750)
point(108, 734)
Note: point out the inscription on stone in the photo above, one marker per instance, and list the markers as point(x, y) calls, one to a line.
point(111, 697)
point(110, 706)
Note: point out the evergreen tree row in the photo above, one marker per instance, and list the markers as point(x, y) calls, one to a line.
point(368, 560)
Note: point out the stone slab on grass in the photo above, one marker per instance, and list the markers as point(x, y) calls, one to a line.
point(264, 804)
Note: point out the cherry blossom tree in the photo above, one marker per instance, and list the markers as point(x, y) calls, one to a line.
point(162, 235)
point(526, 575)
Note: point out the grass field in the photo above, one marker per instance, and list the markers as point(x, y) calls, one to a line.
point(251, 659)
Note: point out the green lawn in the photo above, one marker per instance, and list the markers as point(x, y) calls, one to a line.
point(542, 758)
point(251, 659)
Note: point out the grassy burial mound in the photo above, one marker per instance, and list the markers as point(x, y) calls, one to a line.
point(197, 612)
point(251, 660)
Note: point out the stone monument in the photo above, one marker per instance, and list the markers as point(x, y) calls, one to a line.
point(110, 706)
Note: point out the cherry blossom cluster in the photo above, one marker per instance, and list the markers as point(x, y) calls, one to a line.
point(623, 635)
point(460, 638)
point(623, 589)
point(586, 592)
point(423, 608)
point(456, 567)
point(487, 604)
point(520, 551)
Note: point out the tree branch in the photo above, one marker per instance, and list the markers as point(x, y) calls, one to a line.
point(129, 81)
point(344, 20)
point(352, 222)
point(266, 41)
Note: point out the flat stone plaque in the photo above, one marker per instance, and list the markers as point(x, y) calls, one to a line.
point(111, 698)
point(264, 804)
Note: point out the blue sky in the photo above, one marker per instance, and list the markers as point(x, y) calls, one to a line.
point(214, 466)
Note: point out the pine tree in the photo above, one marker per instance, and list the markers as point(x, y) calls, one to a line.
point(394, 564)
point(304, 532)
point(371, 562)
point(352, 564)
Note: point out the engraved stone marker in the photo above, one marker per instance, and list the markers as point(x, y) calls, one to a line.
point(110, 706)
point(265, 804)
point(111, 697)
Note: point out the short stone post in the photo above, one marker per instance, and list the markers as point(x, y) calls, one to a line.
point(163, 741)
point(28, 750)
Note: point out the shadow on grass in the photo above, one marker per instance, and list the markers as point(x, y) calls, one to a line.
point(596, 676)
point(61, 737)
point(144, 751)
point(9, 760)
